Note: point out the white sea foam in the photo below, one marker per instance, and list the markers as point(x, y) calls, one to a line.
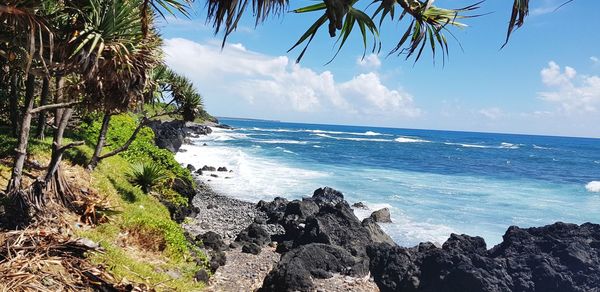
point(281, 142)
point(352, 139)
point(367, 133)
point(410, 140)
point(540, 147)
point(593, 186)
point(254, 177)
point(221, 135)
point(509, 145)
point(468, 145)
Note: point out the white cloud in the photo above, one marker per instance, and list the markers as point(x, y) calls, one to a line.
point(573, 92)
point(371, 61)
point(238, 77)
point(595, 60)
point(546, 6)
point(492, 113)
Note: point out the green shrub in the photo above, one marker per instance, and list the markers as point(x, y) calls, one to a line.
point(142, 149)
point(146, 175)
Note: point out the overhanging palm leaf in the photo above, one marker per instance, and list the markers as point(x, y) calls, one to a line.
point(427, 26)
point(170, 6)
point(228, 13)
point(520, 10)
point(341, 16)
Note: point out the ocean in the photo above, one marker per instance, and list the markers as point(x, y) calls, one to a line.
point(434, 182)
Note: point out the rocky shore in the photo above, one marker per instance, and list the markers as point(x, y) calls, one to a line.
point(318, 244)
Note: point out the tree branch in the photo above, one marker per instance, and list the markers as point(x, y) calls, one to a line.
point(54, 106)
point(125, 146)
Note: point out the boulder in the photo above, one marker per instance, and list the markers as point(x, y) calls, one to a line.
point(381, 216)
point(184, 188)
point(212, 240)
point(360, 205)
point(328, 195)
point(208, 168)
point(296, 268)
point(251, 248)
point(195, 129)
point(191, 168)
point(217, 259)
point(254, 233)
point(557, 257)
point(201, 276)
point(168, 135)
point(222, 168)
point(199, 172)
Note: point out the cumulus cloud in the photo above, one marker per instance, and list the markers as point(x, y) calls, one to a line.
point(238, 75)
point(573, 92)
point(371, 61)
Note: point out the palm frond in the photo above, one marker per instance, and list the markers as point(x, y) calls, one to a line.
point(30, 30)
point(428, 25)
point(342, 16)
point(225, 14)
point(520, 10)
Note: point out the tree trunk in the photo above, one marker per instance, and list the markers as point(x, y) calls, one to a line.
point(101, 141)
point(14, 103)
point(41, 122)
point(21, 151)
point(123, 147)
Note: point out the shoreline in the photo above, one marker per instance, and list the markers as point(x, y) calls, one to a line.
point(287, 235)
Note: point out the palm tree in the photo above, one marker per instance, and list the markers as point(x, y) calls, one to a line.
point(184, 101)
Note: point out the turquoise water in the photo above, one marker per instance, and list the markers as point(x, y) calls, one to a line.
point(434, 182)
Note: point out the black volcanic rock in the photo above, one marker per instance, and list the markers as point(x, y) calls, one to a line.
point(328, 195)
point(557, 257)
point(295, 269)
point(208, 168)
point(251, 248)
point(254, 233)
point(212, 240)
point(322, 236)
point(382, 216)
point(168, 135)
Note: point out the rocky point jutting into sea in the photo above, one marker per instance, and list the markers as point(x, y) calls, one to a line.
point(317, 243)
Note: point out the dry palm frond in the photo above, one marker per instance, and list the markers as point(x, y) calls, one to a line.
point(46, 258)
point(28, 29)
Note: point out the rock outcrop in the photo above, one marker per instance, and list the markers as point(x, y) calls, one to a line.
point(557, 257)
point(382, 216)
point(322, 237)
point(172, 134)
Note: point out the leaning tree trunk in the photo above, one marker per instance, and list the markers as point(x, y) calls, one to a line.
point(101, 141)
point(21, 151)
point(123, 147)
point(14, 103)
point(41, 122)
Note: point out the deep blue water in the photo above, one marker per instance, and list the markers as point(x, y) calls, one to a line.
point(434, 182)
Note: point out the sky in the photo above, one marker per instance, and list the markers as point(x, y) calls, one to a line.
point(545, 81)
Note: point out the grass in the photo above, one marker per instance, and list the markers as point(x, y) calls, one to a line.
point(141, 243)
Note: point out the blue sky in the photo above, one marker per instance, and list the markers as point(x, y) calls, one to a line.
point(546, 81)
